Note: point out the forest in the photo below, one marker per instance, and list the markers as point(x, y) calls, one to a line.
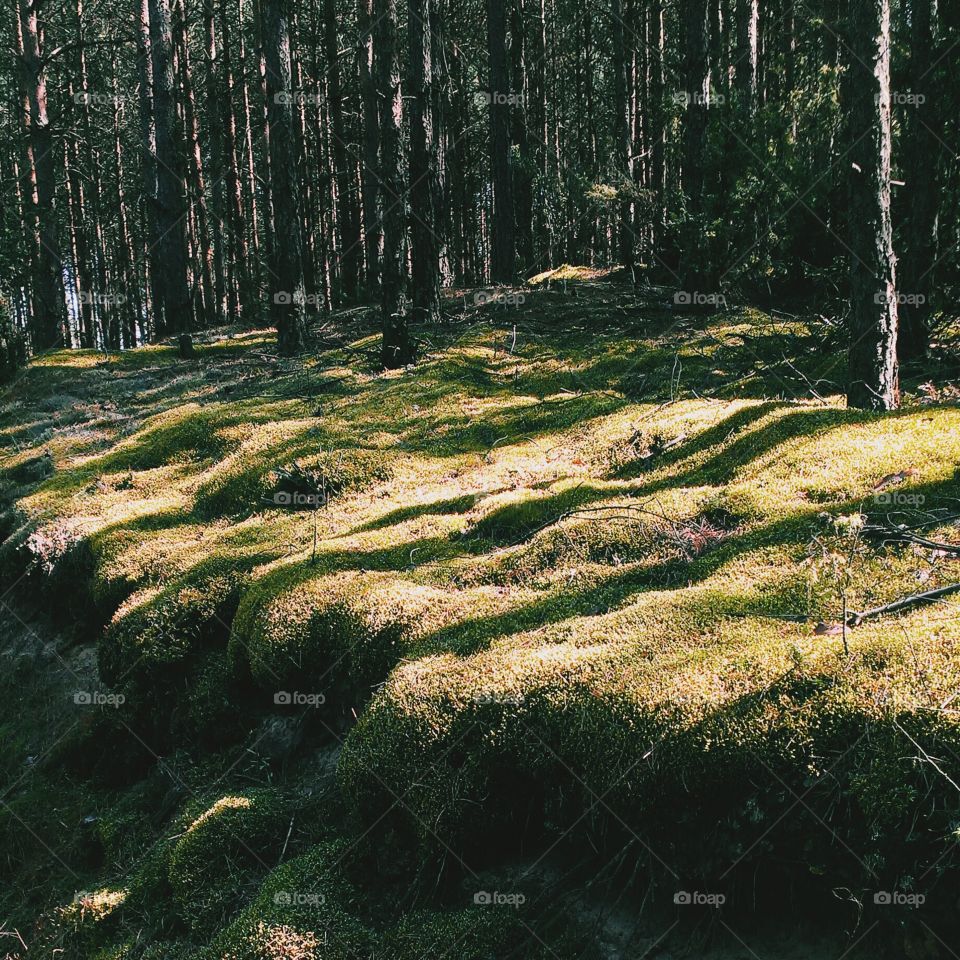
point(479, 479)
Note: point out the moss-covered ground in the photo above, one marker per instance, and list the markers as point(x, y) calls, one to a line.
point(560, 622)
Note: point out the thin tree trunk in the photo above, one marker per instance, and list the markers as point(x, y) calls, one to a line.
point(747, 49)
point(621, 135)
point(215, 124)
point(503, 255)
point(873, 378)
point(287, 292)
point(522, 171)
point(48, 328)
point(170, 254)
point(196, 182)
point(369, 185)
point(397, 350)
point(348, 220)
point(239, 289)
point(148, 161)
point(424, 185)
point(695, 268)
point(921, 152)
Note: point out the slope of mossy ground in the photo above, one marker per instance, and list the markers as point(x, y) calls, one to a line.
point(577, 590)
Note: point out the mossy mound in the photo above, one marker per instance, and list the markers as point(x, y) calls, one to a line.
point(585, 586)
point(304, 910)
point(216, 863)
point(691, 703)
point(341, 633)
point(244, 482)
point(158, 634)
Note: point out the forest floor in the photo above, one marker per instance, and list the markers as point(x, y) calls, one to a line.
point(546, 647)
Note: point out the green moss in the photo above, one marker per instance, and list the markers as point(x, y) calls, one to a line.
point(479, 933)
point(215, 862)
point(321, 631)
point(302, 912)
point(244, 483)
point(158, 633)
point(559, 603)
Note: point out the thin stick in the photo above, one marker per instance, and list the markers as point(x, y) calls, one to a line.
point(855, 618)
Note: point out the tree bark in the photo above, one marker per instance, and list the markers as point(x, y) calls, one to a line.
point(745, 77)
point(621, 136)
point(503, 253)
point(397, 349)
point(921, 152)
point(240, 286)
point(424, 182)
point(286, 287)
point(195, 182)
point(348, 221)
point(369, 185)
point(174, 302)
point(695, 265)
point(48, 329)
point(873, 377)
point(217, 168)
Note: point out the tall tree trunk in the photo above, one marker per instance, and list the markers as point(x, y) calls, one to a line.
point(218, 174)
point(348, 221)
point(872, 378)
point(196, 182)
point(921, 152)
point(265, 179)
point(621, 135)
point(657, 124)
point(523, 170)
point(148, 166)
point(308, 241)
point(240, 287)
point(287, 292)
point(747, 36)
point(49, 328)
point(133, 307)
point(397, 349)
point(424, 184)
point(503, 253)
point(538, 133)
point(695, 265)
point(174, 301)
point(369, 185)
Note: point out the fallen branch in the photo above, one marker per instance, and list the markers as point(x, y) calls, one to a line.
point(905, 535)
point(854, 618)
